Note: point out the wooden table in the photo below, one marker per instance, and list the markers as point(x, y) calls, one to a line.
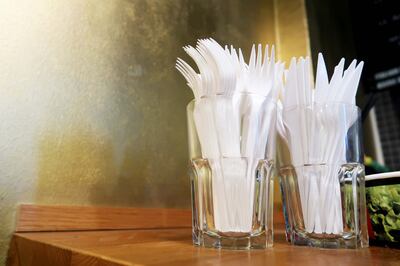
point(174, 247)
point(87, 236)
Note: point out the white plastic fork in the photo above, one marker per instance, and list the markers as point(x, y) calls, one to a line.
point(193, 79)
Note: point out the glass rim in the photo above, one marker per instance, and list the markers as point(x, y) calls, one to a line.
point(269, 98)
point(290, 166)
point(232, 158)
point(304, 106)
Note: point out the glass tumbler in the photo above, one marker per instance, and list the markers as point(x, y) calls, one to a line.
point(232, 186)
point(322, 176)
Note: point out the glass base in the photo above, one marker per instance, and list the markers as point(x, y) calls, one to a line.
point(327, 241)
point(341, 218)
point(212, 240)
point(232, 209)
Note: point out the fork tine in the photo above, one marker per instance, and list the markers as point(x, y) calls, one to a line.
point(181, 64)
point(183, 72)
point(187, 68)
point(184, 69)
point(272, 57)
point(259, 58)
point(252, 57)
point(266, 56)
point(184, 75)
point(235, 58)
point(241, 58)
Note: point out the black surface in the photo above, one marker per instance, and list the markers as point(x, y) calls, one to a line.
point(383, 182)
point(376, 27)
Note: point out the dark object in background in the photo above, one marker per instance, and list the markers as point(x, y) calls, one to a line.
point(373, 167)
point(376, 28)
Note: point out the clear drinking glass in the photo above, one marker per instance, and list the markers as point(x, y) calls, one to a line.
point(232, 196)
point(322, 176)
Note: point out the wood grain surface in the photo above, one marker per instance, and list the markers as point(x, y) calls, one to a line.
point(39, 218)
point(72, 218)
point(174, 247)
point(152, 237)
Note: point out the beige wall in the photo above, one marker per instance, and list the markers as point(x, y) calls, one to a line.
point(92, 111)
point(292, 34)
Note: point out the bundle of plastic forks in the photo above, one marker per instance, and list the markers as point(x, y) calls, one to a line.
point(314, 122)
point(234, 115)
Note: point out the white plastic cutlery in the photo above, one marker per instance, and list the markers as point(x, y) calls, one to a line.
point(234, 115)
point(315, 127)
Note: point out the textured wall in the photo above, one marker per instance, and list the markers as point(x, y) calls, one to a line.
point(91, 110)
point(292, 34)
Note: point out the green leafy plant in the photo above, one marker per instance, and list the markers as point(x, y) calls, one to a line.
point(384, 210)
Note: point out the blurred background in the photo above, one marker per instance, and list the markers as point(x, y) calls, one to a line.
point(93, 112)
point(369, 31)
